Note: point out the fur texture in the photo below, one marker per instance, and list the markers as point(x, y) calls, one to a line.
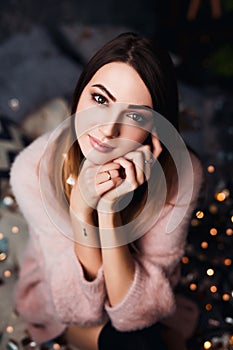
point(52, 290)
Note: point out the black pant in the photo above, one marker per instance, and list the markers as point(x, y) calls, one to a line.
point(144, 339)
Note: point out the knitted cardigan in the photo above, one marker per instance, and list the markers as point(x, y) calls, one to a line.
point(52, 291)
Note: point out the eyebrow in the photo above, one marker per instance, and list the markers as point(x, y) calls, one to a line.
point(104, 89)
point(140, 107)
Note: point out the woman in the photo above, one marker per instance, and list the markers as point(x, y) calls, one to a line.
point(108, 199)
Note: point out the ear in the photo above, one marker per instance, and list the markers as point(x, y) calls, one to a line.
point(157, 147)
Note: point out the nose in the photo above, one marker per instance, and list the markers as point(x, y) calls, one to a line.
point(110, 130)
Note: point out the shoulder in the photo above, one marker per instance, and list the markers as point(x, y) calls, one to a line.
point(26, 162)
point(24, 174)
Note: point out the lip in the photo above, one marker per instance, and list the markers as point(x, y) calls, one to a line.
point(100, 146)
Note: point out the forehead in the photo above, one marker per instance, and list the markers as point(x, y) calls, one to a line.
point(124, 83)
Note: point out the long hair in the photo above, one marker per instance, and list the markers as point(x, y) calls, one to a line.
point(154, 66)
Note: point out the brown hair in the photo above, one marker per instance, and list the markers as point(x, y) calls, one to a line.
point(155, 68)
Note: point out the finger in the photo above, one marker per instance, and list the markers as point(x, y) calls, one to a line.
point(138, 159)
point(104, 187)
point(144, 161)
point(130, 173)
point(107, 175)
point(157, 147)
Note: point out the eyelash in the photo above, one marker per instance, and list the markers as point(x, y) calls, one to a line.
point(95, 97)
point(140, 118)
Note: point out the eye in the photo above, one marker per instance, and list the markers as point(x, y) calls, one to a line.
point(138, 118)
point(100, 99)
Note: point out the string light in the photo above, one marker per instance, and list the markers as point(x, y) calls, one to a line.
point(213, 209)
point(10, 329)
point(210, 272)
point(200, 214)
point(229, 231)
point(185, 260)
point(204, 244)
point(194, 222)
point(3, 256)
point(211, 169)
point(213, 231)
point(15, 229)
point(208, 307)
point(227, 262)
point(207, 344)
point(220, 196)
point(193, 286)
point(7, 273)
point(213, 289)
point(225, 297)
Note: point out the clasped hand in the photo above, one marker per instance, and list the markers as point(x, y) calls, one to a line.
point(99, 187)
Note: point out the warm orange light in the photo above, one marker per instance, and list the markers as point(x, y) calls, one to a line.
point(227, 262)
point(193, 286)
point(213, 289)
point(194, 222)
point(213, 231)
point(56, 346)
point(9, 329)
point(207, 344)
point(185, 260)
point(211, 169)
point(204, 244)
point(225, 297)
point(200, 214)
point(15, 229)
point(220, 196)
point(229, 231)
point(208, 307)
point(7, 273)
point(213, 209)
point(1, 235)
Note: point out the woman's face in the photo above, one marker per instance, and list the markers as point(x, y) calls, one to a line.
point(121, 119)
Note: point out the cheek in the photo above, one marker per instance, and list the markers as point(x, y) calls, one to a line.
point(136, 134)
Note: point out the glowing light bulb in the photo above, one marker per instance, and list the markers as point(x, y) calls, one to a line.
point(213, 231)
point(211, 169)
point(15, 229)
point(193, 286)
point(225, 297)
point(207, 344)
point(227, 262)
point(10, 329)
point(213, 209)
point(200, 214)
point(210, 272)
point(220, 196)
point(185, 260)
point(213, 289)
point(229, 231)
point(204, 244)
point(208, 307)
point(7, 273)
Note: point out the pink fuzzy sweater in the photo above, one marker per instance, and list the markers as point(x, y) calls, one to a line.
point(52, 291)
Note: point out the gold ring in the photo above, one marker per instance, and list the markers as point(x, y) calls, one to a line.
point(109, 175)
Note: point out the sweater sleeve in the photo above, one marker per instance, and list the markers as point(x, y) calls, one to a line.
point(54, 277)
point(150, 297)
